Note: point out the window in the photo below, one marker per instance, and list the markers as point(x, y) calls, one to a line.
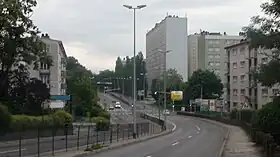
point(217, 72)
point(217, 56)
point(264, 92)
point(211, 63)
point(234, 65)
point(264, 60)
point(218, 63)
point(242, 64)
point(234, 78)
point(235, 104)
point(242, 50)
point(242, 91)
point(210, 49)
point(275, 92)
point(242, 78)
point(217, 49)
point(210, 56)
point(216, 42)
point(234, 52)
point(235, 92)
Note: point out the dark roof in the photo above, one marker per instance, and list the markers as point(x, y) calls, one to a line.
point(242, 42)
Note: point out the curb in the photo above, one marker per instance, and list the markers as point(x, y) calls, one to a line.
point(122, 145)
point(221, 153)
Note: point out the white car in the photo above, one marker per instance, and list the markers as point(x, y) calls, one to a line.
point(117, 106)
point(111, 107)
point(166, 112)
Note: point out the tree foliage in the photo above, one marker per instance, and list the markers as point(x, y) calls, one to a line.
point(207, 81)
point(82, 87)
point(264, 33)
point(122, 77)
point(19, 41)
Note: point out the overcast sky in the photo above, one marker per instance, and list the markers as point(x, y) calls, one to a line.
point(97, 31)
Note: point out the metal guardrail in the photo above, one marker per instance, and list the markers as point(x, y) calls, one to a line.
point(84, 136)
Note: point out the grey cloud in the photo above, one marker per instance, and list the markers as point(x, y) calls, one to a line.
point(107, 26)
point(185, 4)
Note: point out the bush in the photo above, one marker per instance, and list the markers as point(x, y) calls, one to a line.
point(247, 115)
point(233, 114)
point(105, 114)
point(102, 124)
point(62, 117)
point(24, 122)
point(5, 119)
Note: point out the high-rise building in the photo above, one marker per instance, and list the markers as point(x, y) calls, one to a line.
point(207, 51)
point(54, 76)
point(242, 88)
point(168, 35)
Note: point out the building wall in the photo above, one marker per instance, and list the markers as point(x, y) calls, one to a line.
point(209, 53)
point(55, 75)
point(192, 54)
point(242, 88)
point(169, 34)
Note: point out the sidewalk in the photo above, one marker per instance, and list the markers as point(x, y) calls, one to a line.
point(238, 144)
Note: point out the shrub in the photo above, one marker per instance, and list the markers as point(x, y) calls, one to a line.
point(267, 120)
point(247, 115)
point(5, 118)
point(105, 114)
point(102, 124)
point(25, 122)
point(62, 117)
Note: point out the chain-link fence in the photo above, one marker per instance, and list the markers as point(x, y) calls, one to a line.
point(79, 137)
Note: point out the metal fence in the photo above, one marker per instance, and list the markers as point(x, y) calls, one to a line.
point(79, 137)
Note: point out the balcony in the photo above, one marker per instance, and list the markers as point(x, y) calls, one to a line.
point(44, 71)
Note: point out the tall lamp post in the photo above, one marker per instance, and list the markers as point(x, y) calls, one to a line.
point(134, 66)
point(164, 82)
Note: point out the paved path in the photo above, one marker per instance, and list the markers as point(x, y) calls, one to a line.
point(239, 145)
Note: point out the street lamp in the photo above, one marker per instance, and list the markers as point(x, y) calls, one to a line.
point(134, 66)
point(164, 82)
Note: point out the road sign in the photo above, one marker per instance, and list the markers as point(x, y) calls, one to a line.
point(60, 97)
point(176, 95)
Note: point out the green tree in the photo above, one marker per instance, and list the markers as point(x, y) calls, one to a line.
point(82, 87)
point(207, 81)
point(20, 41)
point(263, 33)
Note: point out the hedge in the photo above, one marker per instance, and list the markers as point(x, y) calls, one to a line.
point(59, 119)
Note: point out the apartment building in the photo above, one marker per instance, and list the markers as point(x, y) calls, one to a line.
point(54, 76)
point(206, 51)
point(243, 91)
point(168, 35)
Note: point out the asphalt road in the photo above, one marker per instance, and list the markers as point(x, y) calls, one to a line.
point(122, 115)
point(192, 137)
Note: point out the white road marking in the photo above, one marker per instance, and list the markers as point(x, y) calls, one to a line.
point(149, 156)
point(11, 151)
point(174, 144)
point(190, 137)
point(198, 128)
point(197, 132)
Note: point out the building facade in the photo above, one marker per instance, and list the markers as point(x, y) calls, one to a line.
point(243, 91)
point(168, 35)
point(53, 76)
point(207, 51)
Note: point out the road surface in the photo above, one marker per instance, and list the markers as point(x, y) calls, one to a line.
point(192, 137)
point(122, 115)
